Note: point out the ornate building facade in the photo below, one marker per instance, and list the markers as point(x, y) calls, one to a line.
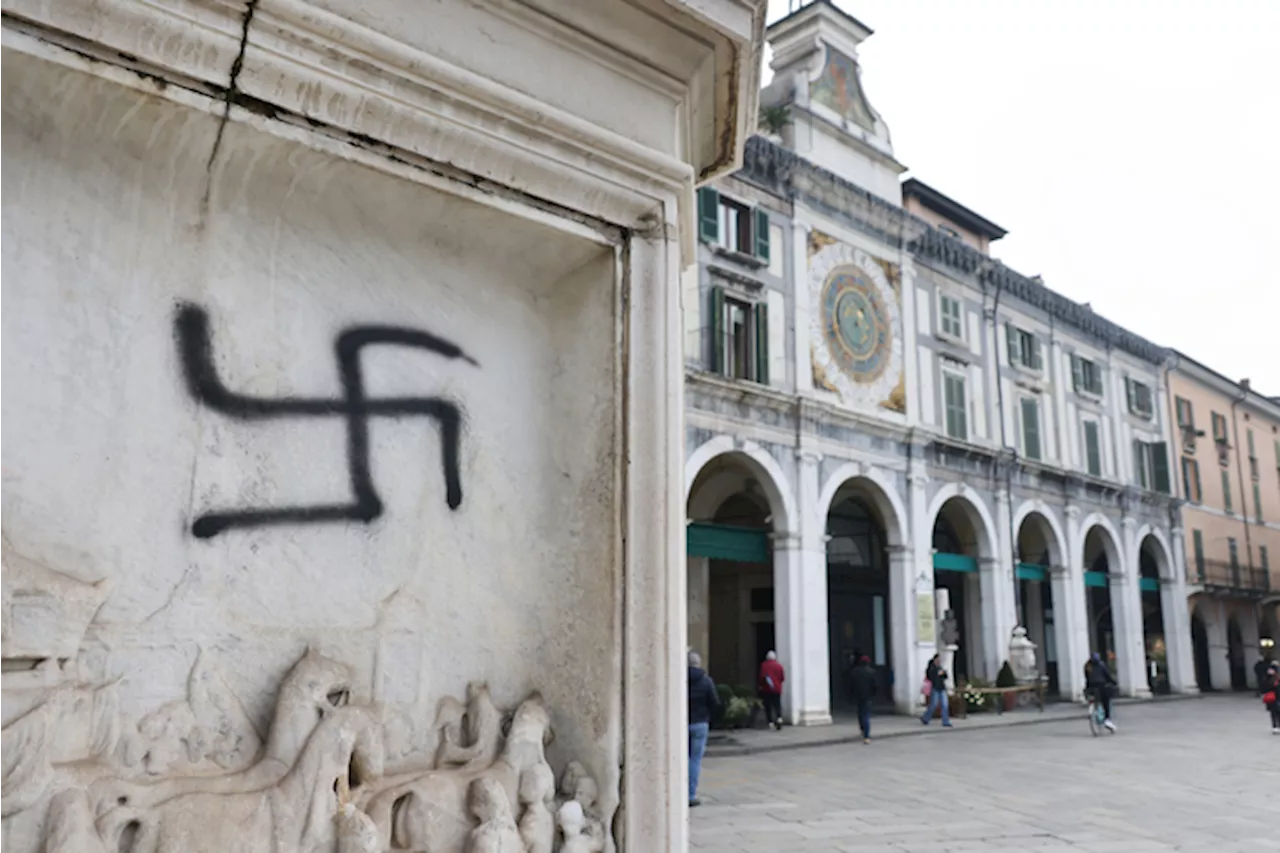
point(895, 444)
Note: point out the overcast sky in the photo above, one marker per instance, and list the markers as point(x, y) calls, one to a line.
point(1130, 147)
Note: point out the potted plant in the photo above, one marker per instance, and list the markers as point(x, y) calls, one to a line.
point(1006, 678)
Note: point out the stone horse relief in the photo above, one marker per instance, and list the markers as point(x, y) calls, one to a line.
point(193, 778)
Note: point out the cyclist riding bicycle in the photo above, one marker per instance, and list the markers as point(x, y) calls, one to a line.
point(1099, 682)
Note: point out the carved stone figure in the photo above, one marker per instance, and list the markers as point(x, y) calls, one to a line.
point(482, 726)
point(497, 830)
point(573, 830)
point(356, 832)
point(293, 815)
point(314, 689)
point(537, 797)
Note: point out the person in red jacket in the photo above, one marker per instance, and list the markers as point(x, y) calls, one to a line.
point(771, 678)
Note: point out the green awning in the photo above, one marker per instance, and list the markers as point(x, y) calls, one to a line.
point(1149, 584)
point(727, 542)
point(1031, 572)
point(954, 563)
point(1095, 579)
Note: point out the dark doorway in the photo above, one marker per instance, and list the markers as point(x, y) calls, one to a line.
point(1200, 646)
point(857, 599)
point(1235, 656)
point(764, 641)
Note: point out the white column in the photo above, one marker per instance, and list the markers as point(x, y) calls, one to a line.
point(1005, 616)
point(1069, 625)
point(1176, 610)
point(990, 593)
point(800, 605)
point(699, 607)
point(1074, 650)
point(907, 655)
point(1126, 603)
point(1215, 629)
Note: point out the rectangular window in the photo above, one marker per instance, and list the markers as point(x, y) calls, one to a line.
point(955, 404)
point(1086, 376)
point(1191, 479)
point(1031, 427)
point(1257, 502)
point(1186, 415)
point(1234, 553)
point(1197, 544)
point(1262, 559)
point(1219, 428)
point(1226, 491)
point(1139, 398)
point(950, 317)
point(1254, 471)
point(736, 226)
point(1151, 465)
point(1092, 449)
point(1024, 348)
point(740, 337)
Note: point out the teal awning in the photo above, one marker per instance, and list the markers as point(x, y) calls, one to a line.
point(1095, 579)
point(1149, 584)
point(727, 542)
point(1031, 572)
point(954, 563)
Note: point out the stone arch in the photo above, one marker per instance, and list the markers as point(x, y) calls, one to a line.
point(877, 488)
point(1163, 553)
point(1110, 541)
point(773, 481)
point(1058, 553)
point(973, 505)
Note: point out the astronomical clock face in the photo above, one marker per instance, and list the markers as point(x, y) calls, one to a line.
point(856, 346)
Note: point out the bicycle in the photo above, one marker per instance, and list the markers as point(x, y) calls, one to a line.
point(1097, 716)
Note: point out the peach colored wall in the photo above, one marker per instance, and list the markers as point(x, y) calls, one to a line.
point(1209, 516)
point(914, 206)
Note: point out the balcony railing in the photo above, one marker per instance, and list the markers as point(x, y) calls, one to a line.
point(1222, 575)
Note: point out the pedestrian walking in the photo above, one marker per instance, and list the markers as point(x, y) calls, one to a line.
point(1100, 683)
point(1271, 695)
point(864, 690)
point(771, 677)
point(935, 688)
point(1260, 674)
point(704, 705)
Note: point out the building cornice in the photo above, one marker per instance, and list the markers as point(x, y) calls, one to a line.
point(785, 173)
point(1184, 364)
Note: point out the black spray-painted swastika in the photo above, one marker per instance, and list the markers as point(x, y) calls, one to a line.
point(203, 383)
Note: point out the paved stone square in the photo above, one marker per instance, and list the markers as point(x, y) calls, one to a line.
point(1199, 775)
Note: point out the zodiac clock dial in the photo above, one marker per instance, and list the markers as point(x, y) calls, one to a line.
point(857, 349)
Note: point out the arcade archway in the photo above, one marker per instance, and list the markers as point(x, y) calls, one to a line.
point(1153, 564)
point(1039, 549)
point(961, 541)
point(1102, 600)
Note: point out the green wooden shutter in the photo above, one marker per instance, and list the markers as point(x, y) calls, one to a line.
point(717, 330)
point(762, 234)
point(1195, 466)
point(1226, 490)
point(1257, 502)
point(1250, 434)
point(1160, 466)
point(1011, 339)
point(762, 343)
point(1262, 558)
point(1093, 453)
point(1031, 428)
point(1077, 373)
point(1128, 392)
point(1197, 543)
point(709, 214)
point(955, 406)
point(1036, 362)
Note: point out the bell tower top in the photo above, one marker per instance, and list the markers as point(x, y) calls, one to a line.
point(818, 78)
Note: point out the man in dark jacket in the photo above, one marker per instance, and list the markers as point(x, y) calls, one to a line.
point(1099, 683)
point(936, 677)
point(863, 680)
point(1271, 690)
point(704, 705)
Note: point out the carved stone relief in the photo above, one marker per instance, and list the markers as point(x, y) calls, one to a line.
point(179, 782)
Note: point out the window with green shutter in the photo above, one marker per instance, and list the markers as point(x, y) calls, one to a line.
point(762, 343)
point(1092, 449)
point(955, 405)
point(1139, 398)
point(716, 328)
point(1262, 559)
point(762, 234)
point(1159, 451)
point(1226, 491)
point(1141, 464)
point(709, 215)
point(1197, 544)
point(950, 317)
point(1257, 502)
point(1031, 427)
point(1191, 479)
point(1086, 376)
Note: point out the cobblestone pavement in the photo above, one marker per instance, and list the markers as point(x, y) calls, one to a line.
point(1196, 776)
